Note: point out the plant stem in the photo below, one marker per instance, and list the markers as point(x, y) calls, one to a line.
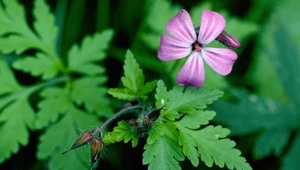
point(26, 91)
point(114, 117)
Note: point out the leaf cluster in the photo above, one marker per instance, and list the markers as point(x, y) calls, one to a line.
point(133, 81)
point(181, 129)
point(68, 96)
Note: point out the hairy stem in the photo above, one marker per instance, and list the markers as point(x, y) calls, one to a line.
point(114, 117)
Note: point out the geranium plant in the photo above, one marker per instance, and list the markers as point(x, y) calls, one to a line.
point(173, 84)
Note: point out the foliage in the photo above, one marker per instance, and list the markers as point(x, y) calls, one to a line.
point(58, 109)
point(175, 133)
point(133, 80)
point(209, 142)
point(60, 59)
point(273, 113)
point(122, 132)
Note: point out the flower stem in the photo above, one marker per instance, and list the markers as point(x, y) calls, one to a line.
point(115, 116)
point(26, 91)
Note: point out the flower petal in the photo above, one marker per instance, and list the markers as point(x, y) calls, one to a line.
point(219, 59)
point(172, 49)
point(192, 73)
point(212, 24)
point(181, 27)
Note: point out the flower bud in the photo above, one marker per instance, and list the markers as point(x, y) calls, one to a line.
point(153, 115)
point(96, 148)
point(228, 40)
point(82, 140)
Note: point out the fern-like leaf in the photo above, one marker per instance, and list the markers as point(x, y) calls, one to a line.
point(17, 115)
point(133, 81)
point(82, 59)
point(122, 132)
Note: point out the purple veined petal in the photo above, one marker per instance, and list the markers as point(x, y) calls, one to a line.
point(181, 27)
point(192, 73)
point(212, 24)
point(172, 49)
point(220, 60)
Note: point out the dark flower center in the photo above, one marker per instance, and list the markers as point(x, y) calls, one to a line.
point(196, 46)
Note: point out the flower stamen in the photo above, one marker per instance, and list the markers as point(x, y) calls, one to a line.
point(196, 46)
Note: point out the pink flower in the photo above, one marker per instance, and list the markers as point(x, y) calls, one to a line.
point(185, 41)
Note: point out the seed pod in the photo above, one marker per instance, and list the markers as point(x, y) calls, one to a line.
point(85, 137)
point(153, 115)
point(96, 148)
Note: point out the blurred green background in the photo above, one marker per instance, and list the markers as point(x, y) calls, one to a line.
point(262, 94)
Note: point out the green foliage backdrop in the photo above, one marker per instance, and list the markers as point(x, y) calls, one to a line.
point(61, 72)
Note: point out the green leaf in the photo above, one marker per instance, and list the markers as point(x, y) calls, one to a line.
point(47, 114)
point(161, 94)
point(189, 148)
point(189, 101)
point(195, 120)
point(12, 16)
point(148, 87)
point(157, 130)
point(7, 79)
point(62, 133)
point(122, 132)
point(83, 59)
point(133, 76)
point(15, 44)
point(211, 146)
point(269, 141)
point(133, 80)
point(41, 65)
point(93, 95)
point(16, 35)
point(15, 119)
point(163, 154)
point(250, 112)
point(208, 143)
point(161, 149)
point(291, 159)
point(44, 23)
point(16, 113)
point(13, 10)
point(122, 94)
